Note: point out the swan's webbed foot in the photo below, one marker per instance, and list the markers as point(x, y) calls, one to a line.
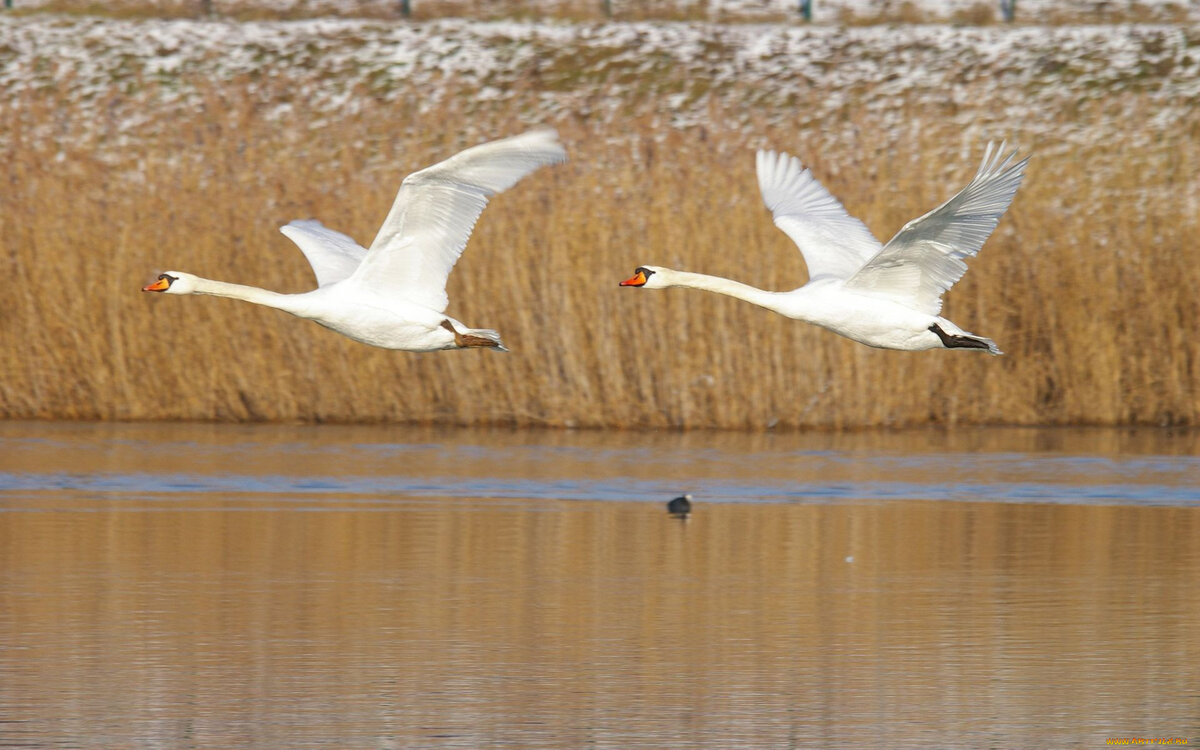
point(953, 341)
point(468, 340)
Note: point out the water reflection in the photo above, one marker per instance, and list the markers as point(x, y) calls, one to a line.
point(430, 621)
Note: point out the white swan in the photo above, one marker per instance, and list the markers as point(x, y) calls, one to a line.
point(393, 295)
point(884, 296)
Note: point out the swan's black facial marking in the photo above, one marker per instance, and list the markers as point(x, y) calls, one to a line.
point(168, 278)
point(644, 271)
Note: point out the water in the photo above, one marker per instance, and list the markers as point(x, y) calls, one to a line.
point(293, 587)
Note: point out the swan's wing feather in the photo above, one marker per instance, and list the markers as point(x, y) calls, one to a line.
point(435, 210)
point(926, 257)
point(833, 243)
point(332, 255)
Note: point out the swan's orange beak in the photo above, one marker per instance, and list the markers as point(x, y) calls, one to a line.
point(158, 286)
point(638, 279)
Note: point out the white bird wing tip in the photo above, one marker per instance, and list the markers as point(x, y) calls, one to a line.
point(302, 224)
point(549, 136)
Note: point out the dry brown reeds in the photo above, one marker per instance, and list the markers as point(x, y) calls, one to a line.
point(1088, 284)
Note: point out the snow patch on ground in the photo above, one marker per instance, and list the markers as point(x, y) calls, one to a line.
point(1018, 80)
point(822, 10)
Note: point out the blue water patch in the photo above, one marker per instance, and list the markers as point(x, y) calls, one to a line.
point(142, 486)
point(59, 465)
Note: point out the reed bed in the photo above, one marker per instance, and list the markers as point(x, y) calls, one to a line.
point(1088, 284)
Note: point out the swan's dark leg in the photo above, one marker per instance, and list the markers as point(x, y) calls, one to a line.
point(465, 340)
point(951, 341)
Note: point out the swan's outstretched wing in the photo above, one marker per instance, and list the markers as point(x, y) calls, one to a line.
point(925, 258)
point(332, 255)
point(833, 243)
point(436, 209)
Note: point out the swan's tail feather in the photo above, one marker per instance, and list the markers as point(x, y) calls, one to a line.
point(475, 337)
point(964, 340)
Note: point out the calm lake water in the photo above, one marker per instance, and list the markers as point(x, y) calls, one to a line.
point(184, 586)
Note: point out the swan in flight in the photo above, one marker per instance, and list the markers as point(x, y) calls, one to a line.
point(886, 296)
point(394, 294)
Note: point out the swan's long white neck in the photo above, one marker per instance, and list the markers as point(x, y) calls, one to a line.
point(287, 302)
point(728, 287)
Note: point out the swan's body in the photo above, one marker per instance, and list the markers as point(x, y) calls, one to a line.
point(886, 296)
point(394, 294)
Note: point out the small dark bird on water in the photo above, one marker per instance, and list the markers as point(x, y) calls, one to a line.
point(681, 506)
